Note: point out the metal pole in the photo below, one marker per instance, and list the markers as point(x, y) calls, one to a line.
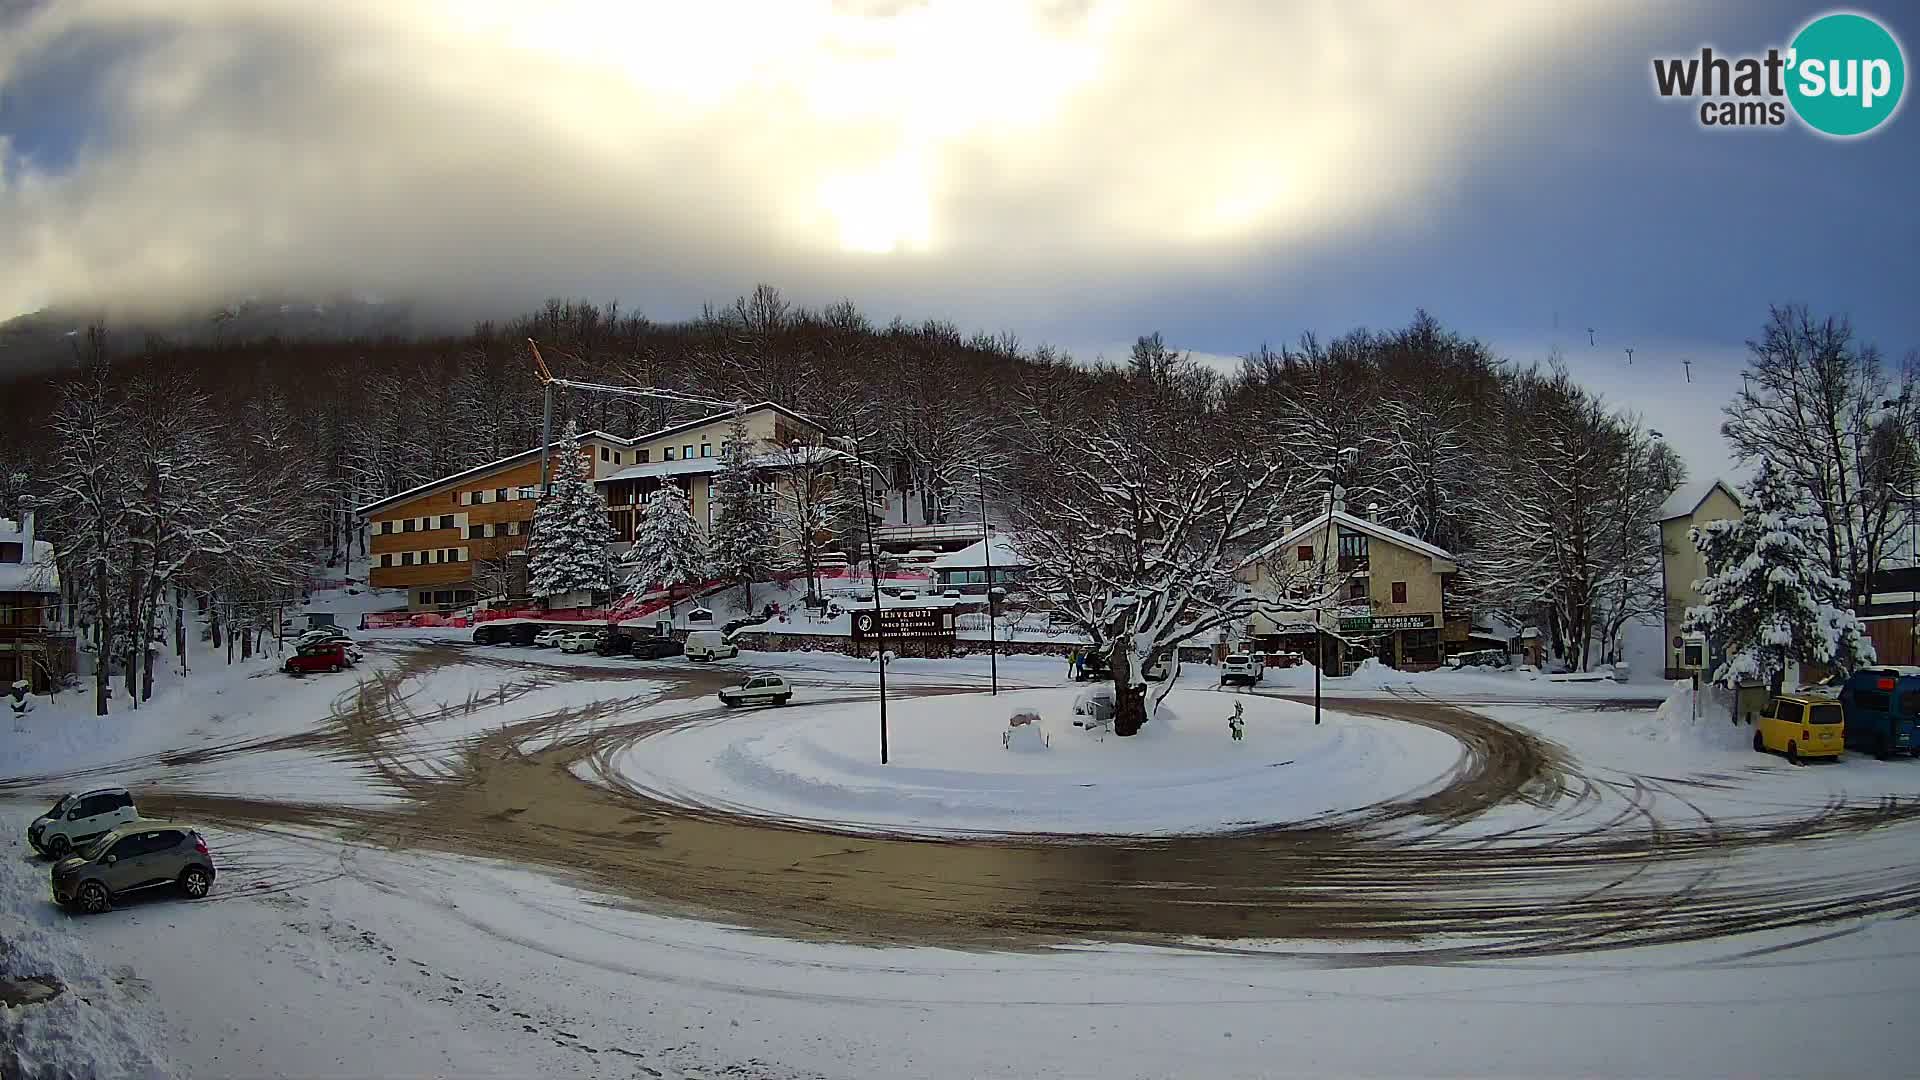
point(873, 557)
point(986, 545)
point(546, 438)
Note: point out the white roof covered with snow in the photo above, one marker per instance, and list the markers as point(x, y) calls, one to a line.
point(975, 554)
point(1688, 497)
point(36, 573)
point(1362, 525)
point(778, 459)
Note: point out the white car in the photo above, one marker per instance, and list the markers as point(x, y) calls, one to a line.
point(551, 638)
point(579, 641)
point(327, 634)
point(76, 819)
point(710, 645)
point(1159, 669)
point(908, 594)
point(950, 594)
point(759, 689)
point(1241, 668)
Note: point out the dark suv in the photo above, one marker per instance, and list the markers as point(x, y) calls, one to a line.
point(140, 855)
point(657, 648)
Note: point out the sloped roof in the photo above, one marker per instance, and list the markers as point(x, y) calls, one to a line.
point(975, 554)
point(478, 470)
point(38, 574)
point(1361, 525)
point(1688, 497)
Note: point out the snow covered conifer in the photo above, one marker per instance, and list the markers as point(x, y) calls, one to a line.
point(669, 549)
point(1769, 597)
point(743, 545)
point(571, 533)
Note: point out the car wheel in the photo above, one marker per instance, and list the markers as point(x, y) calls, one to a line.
point(783, 699)
point(1793, 753)
point(1880, 750)
point(59, 848)
point(93, 898)
point(1759, 742)
point(194, 883)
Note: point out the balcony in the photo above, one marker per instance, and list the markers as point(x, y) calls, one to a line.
point(1353, 564)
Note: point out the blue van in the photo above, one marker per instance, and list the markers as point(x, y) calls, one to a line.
point(1882, 706)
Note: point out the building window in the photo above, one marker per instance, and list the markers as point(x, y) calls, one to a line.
point(406, 558)
point(386, 558)
point(1399, 592)
point(446, 521)
point(616, 457)
point(666, 453)
point(407, 526)
point(1303, 553)
point(513, 528)
point(475, 532)
point(1357, 589)
point(641, 457)
point(500, 494)
point(687, 451)
point(606, 454)
point(13, 553)
point(706, 449)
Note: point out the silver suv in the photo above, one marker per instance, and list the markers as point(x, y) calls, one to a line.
point(142, 855)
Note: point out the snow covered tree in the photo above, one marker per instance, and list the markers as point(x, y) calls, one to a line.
point(744, 544)
point(669, 549)
point(571, 533)
point(1768, 595)
point(1141, 528)
point(811, 503)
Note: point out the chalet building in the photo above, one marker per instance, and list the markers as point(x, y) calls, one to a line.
point(1393, 594)
point(461, 537)
point(968, 571)
point(1680, 566)
point(33, 647)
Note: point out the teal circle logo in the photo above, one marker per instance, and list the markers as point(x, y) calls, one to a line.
point(1845, 74)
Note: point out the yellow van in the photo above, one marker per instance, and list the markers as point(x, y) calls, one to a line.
point(1801, 726)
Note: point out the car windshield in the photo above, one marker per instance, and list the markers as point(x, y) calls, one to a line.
point(98, 846)
point(60, 806)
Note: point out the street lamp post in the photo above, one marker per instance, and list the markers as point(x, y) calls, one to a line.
point(1913, 543)
point(1320, 633)
point(873, 564)
point(986, 546)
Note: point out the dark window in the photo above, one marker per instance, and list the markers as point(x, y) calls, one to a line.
point(686, 451)
point(1357, 589)
point(706, 450)
point(10, 552)
point(160, 841)
point(666, 453)
point(446, 521)
point(475, 532)
point(1304, 553)
point(406, 558)
point(1910, 703)
point(1871, 700)
point(500, 494)
point(128, 847)
point(1790, 711)
point(408, 527)
point(1352, 543)
point(641, 457)
point(606, 454)
point(1399, 592)
point(1824, 714)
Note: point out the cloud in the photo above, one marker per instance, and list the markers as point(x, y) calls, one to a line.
point(484, 149)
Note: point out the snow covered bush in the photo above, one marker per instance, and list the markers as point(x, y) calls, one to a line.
point(1768, 597)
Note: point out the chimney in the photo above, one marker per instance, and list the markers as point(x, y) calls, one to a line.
point(1339, 499)
point(26, 530)
point(1373, 511)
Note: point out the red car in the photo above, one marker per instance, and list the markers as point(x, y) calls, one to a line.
point(325, 656)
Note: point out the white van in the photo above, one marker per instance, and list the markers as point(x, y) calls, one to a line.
point(710, 645)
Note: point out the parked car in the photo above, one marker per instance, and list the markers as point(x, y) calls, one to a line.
point(1159, 669)
point(579, 641)
point(322, 656)
point(1801, 726)
point(758, 689)
point(710, 645)
point(550, 638)
point(328, 634)
point(1882, 707)
point(908, 594)
point(1242, 669)
point(75, 820)
point(142, 855)
point(950, 594)
point(613, 641)
point(700, 614)
point(656, 648)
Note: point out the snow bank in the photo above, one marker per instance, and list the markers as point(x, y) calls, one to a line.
point(1676, 720)
point(93, 1027)
point(950, 771)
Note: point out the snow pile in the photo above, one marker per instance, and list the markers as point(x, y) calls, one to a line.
point(90, 1028)
point(950, 772)
point(1029, 738)
point(1700, 719)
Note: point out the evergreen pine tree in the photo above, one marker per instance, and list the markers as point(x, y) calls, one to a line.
point(1768, 595)
point(743, 547)
point(571, 533)
point(669, 549)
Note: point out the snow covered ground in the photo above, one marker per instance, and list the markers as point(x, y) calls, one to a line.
point(318, 956)
point(950, 773)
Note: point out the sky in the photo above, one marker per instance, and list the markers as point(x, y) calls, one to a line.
point(1078, 172)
